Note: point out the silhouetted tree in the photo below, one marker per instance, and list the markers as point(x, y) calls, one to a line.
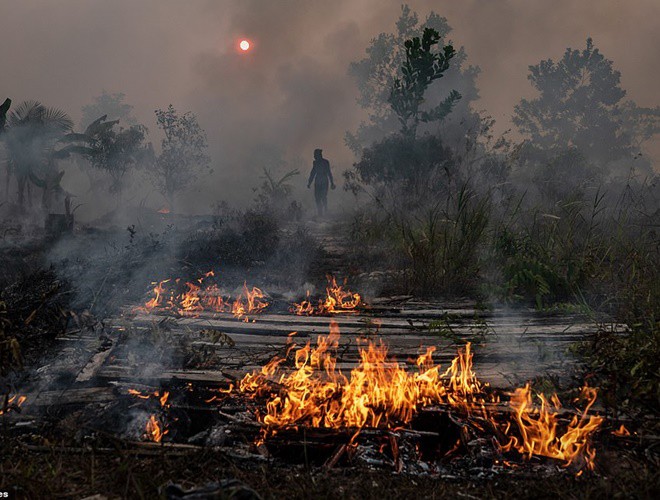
point(4, 109)
point(114, 150)
point(110, 105)
point(421, 67)
point(376, 74)
point(183, 153)
point(31, 138)
point(403, 164)
point(580, 105)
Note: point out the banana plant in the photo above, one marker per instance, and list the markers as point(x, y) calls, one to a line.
point(32, 133)
point(4, 109)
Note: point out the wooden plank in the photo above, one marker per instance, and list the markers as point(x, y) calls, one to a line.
point(95, 363)
point(69, 396)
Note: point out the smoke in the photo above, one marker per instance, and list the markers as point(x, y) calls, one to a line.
point(292, 90)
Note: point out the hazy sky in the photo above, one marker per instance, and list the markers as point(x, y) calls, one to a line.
point(292, 90)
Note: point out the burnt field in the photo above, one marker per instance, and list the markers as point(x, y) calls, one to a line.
point(329, 249)
point(209, 382)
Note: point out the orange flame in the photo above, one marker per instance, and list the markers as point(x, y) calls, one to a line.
point(337, 300)
point(153, 430)
point(621, 431)
point(13, 403)
point(162, 398)
point(249, 302)
point(199, 296)
point(304, 308)
point(539, 429)
point(377, 393)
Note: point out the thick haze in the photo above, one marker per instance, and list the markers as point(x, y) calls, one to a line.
point(292, 91)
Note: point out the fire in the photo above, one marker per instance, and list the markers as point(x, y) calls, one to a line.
point(158, 291)
point(164, 210)
point(162, 398)
point(337, 300)
point(12, 403)
point(249, 302)
point(539, 428)
point(304, 308)
point(377, 393)
point(195, 297)
point(621, 431)
point(381, 393)
point(153, 430)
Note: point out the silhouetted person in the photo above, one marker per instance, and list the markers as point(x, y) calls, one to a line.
point(321, 176)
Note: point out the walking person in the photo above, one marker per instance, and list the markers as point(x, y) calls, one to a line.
point(322, 177)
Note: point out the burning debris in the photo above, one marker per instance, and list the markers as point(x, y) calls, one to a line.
point(417, 406)
point(249, 302)
point(539, 428)
point(12, 403)
point(379, 393)
point(190, 298)
point(154, 431)
point(337, 300)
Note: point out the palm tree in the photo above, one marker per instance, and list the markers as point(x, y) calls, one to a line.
point(4, 109)
point(32, 133)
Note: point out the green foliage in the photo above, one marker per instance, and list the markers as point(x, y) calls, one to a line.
point(546, 257)
point(421, 67)
point(274, 195)
point(239, 238)
point(444, 244)
point(625, 366)
point(183, 153)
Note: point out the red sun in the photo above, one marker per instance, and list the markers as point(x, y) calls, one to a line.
point(244, 45)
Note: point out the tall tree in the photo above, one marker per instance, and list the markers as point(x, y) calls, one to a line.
point(183, 153)
point(111, 105)
point(581, 105)
point(421, 67)
point(376, 73)
point(404, 166)
point(115, 150)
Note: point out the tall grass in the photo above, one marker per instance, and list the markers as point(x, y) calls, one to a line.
point(443, 243)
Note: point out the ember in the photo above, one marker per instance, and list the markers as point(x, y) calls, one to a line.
point(12, 403)
point(621, 431)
